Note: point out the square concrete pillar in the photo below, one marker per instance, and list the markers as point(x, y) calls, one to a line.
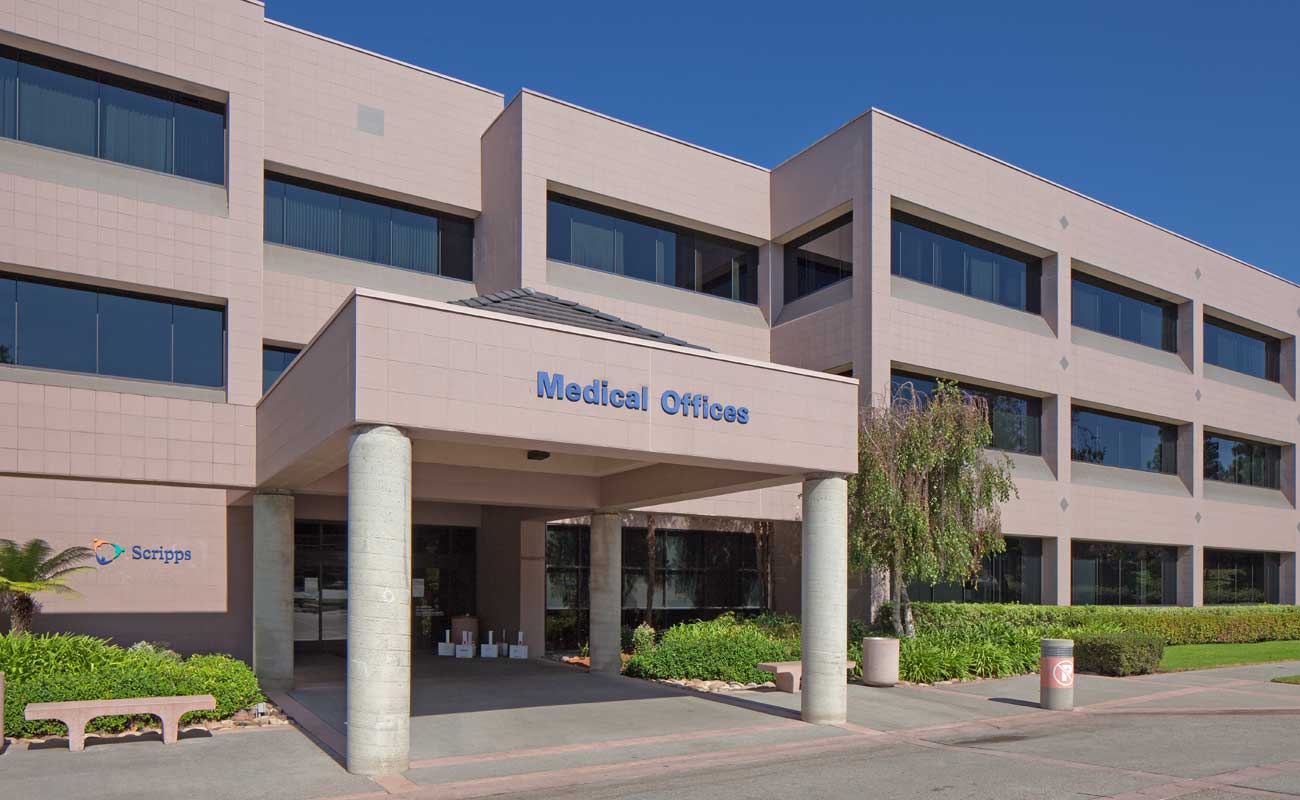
point(1056, 567)
point(1191, 575)
point(273, 590)
point(825, 599)
point(379, 601)
point(1289, 575)
point(605, 591)
point(532, 586)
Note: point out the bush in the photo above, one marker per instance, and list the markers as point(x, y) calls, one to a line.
point(58, 667)
point(643, 639)
point(1118, 654)
point(722, 649)
point(1231, 624)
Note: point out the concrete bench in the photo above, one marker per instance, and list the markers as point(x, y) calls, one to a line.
point(789, 674)
point(77, 713)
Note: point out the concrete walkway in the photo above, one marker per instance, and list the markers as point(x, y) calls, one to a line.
point(485, 728)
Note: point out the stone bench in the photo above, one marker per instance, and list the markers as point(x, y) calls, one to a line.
point(77, 713)
point(789, 674)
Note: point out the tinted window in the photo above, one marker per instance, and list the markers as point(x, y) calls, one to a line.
point(1118, 441)
point(1012, 576)
point(614, 241)
point(1241, 461)
point(68, 107)
point(199, 345)
point(329, 220)
point(1118, 311)
point(275, 360)
point(1240, 349)
point(56, 327)
point(819, 258)
point(930, 253)
point(1123, 575)
point(8, 321)
point(1241, 576)
point(135, 338)
point(1016, 420)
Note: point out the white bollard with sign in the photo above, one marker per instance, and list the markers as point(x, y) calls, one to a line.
point(445, 647)
point(519, 650)
point(489, 648)
point(466, 647)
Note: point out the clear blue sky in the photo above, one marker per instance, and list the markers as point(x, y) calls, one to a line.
point(1184, 113)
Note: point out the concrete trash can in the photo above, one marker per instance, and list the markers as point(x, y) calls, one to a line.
point(879, 661)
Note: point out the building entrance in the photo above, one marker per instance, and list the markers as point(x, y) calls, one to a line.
point(443, 582)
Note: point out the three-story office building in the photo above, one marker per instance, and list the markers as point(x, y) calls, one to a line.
point(228, 245)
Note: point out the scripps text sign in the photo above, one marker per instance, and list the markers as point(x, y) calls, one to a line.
point(554, 386)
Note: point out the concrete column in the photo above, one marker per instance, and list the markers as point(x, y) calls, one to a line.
point(379, 601)
point(532, 586)
point(1191, 575)
point(1290, 579)
point(825, 598)
point(1057, 561)
point(605, 591)
point(273, 590)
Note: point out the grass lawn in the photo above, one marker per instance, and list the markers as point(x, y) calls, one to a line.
point(1204, 656)
point(1288, 679)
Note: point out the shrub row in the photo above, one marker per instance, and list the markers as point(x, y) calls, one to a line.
point(1233, 624)
point(1118, 654)
point(722, 649)
point(59, 667)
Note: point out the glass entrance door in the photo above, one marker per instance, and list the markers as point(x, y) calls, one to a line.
point(443, 581)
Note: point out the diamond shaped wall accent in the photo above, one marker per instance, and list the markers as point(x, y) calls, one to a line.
point(1065, 362)
point(1065, 222)
point(1064, 504)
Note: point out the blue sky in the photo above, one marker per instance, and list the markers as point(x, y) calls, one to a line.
point(1184, 113)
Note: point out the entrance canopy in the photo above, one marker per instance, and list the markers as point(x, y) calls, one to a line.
point(545, 404)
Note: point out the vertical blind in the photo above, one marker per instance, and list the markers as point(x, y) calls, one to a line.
point(67, 107)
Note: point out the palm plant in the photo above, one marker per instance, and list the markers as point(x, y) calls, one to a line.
point(32, 568)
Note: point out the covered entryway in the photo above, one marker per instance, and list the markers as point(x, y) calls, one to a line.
point(526, 408)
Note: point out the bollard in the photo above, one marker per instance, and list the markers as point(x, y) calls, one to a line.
point(1056, 674)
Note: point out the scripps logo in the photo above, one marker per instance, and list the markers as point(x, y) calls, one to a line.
point(106, 552)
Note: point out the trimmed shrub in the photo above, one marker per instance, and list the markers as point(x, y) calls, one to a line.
point(1228, 624)
point(722, 649)
point(643, 639)
point(58, 667)
point(1118, 654)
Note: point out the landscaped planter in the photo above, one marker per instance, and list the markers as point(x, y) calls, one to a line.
point(879, 661)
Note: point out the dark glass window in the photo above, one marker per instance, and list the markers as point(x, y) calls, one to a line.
point(819, 258)
point(1242, 350)
point(57, 326)
point(275, 360)
point(1242, 461)
point(322, 218)
point(1105, 574)
point(1241, 576)
point(1118, 311)
point(959, 262)
point(56, 104)
point(1016, 420)
point(1114, 440)
point(614, 241)
point(1013, 576)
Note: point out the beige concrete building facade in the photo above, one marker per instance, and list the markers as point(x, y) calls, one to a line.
point(340, 211)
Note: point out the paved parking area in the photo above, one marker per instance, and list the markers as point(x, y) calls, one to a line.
point(486, 728)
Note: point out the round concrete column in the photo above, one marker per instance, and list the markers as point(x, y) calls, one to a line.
point(825, 587)
point(379, 601)
point(605, 591)
point(273, 590)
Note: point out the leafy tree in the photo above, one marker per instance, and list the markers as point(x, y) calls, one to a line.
point(30, 569)
point(925, 504)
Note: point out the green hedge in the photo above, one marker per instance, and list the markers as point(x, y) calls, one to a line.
point(58, 667)
point(1118, 654)
point(1231, 624)
point(722, 649)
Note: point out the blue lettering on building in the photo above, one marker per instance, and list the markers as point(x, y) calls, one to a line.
point(166, 555)
point(553, 386)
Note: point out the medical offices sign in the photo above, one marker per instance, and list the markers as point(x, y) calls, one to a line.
point(598, 393)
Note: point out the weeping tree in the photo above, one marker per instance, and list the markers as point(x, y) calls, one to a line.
point(925, 503)
point(32, 568)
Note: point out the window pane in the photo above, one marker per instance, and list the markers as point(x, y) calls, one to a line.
point(275, 360)
point(199, 346)
point(367, 231)
point(1237, 576)
point(645, 252)
point(930, 253)
point(716, 260)
point(135, 338)
point(56, 109)
point(8, 321)
point(819, 258)
point(8, 97)
point(415, 241)
point(200, 142)
point(56, 327)
point(273, 212)
point(457, 240)
point(1240, 461)
point(1116, 441)
point(311, 219)
point(1123, 313)
point(1241, 350)
point(135, 128)
point(747, 277)
point(1015, 420)
point(1123, 574)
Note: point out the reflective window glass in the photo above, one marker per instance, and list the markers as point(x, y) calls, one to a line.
point(275, 360)
point(135, 128)
point(199, 342)
point(57, 109)
point(1103, 573)
point(819, 258)
point(1235, 460)
point(1124, 313)
point(366, 230)
point(949, 259)
point(56, 327)
point(135, 338)
point(273, 211)
point(1012, 576)
point(8, 321)
point(456, 257)
point(1241, 576)
point(415, 241)
point(1114, 440)
point(8, 96)
point(200, 141)
point(1242, 350)
point(1015, 420)
point(311, 219)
